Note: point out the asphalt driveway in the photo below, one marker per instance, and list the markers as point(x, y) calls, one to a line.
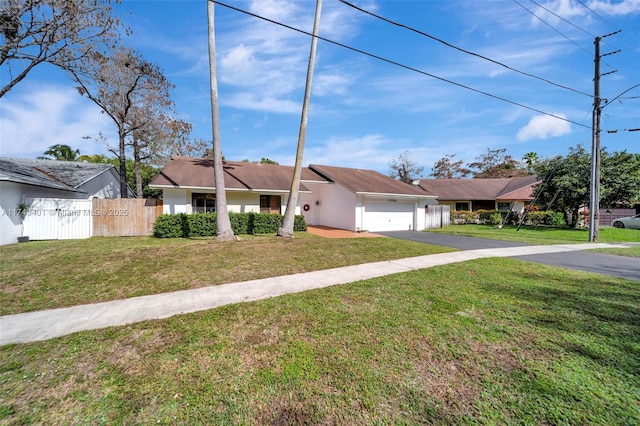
point(599, 263)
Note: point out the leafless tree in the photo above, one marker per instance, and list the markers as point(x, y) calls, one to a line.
point(446, 168)
point(130, 90)
point(496, 163)
point(404, 169)
point(58, 32)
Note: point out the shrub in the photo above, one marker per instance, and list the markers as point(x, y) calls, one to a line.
point(299, 224)
point(461, 217)
point(557, 218)
point(202, 225)
point(241, 223)
point(171, 226)
point(183, 225)
point(545, 218)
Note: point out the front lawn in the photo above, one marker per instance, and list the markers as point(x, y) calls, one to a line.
point(490, 341)
point(52, 274)
point(541, 234)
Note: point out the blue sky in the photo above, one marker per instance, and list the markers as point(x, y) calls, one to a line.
point(365, 111)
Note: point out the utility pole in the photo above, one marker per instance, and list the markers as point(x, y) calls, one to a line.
point(594, 203)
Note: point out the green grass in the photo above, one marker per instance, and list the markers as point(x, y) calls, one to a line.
point(490, 341)
point(52, 274)
point(630, 252)
point(548, 235)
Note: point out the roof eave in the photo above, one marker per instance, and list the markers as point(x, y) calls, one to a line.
point(209, 188)
point(386, 194)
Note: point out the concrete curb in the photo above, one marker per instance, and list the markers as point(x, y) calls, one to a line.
point(47, 324)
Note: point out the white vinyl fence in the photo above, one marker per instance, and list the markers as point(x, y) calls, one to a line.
point(437, 216)
point(58, 219)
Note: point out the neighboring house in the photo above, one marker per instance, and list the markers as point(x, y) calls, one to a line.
point(24, 179)
point(352, 199)
point(478, 194)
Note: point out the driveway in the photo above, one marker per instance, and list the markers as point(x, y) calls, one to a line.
point(599, 263)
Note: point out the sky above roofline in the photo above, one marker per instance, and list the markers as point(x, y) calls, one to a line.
point(414, 94)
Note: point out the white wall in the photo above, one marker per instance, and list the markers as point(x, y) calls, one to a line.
point(105, 185)
point(10, 226)
point(11, 194)
point(174, 201)
point(177, 200)
point(245, 202)
point(337, 205)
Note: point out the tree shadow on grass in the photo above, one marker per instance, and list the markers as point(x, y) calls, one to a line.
point(597, 317)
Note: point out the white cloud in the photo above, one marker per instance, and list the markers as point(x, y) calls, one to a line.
point(626, 7)
point(268, 104)
point(264, 64)
point(371, 151)
point(544, 127)
point(38, 116)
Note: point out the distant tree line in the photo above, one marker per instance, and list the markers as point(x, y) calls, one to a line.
point(564, 181)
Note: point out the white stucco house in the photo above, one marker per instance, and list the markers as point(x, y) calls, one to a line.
point(48, 182)
point(338, 197)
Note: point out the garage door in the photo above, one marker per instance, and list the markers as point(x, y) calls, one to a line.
point(388, 216)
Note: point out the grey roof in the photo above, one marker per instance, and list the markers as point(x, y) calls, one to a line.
point(63, 175)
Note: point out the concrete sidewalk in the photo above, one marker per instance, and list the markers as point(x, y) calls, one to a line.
point(43, 325)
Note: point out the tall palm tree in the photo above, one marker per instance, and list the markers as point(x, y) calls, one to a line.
point(61, 152)
point(286, 230)
point(225, 233)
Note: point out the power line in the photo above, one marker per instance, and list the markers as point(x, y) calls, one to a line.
point(552, 27)
point(461, 49)
point(571, 23)
point(398, 64)
point(594, 12)
point(560, 17)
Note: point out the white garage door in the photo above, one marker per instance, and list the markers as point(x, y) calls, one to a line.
point(388, 216)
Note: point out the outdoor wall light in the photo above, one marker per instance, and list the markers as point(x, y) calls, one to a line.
point(317, 202)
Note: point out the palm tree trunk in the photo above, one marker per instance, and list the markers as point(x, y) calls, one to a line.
point(224, 233)
point(286, 230)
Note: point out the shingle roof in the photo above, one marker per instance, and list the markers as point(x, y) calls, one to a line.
point(64, 175)
point(367, 181)
point(198, 173)
point(481, 189)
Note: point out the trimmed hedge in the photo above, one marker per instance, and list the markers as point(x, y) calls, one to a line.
point(184, 225)
point(508, 217)
point(545, 218)
point(461, 217)
point(549, 218)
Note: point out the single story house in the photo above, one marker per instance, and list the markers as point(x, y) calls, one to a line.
point(345, 198)
point(24, 179)
point(482, 194)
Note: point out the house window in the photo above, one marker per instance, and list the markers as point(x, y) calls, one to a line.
point(203, 203)
point(504, 206)
point(270, 204)
point(462, 206)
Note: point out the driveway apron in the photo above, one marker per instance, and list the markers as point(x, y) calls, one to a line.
point(599, 263)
